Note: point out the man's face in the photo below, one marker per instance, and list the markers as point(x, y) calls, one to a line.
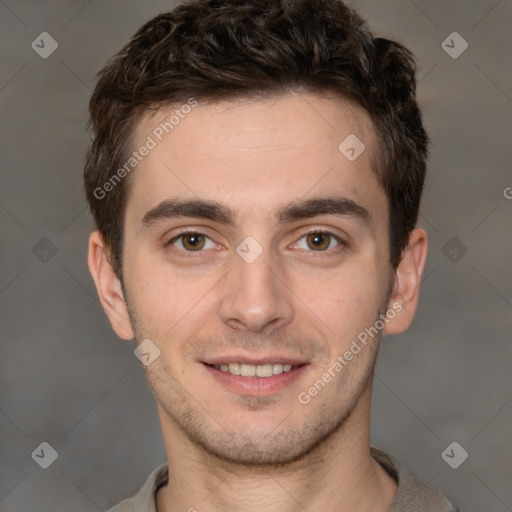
point(287, 281)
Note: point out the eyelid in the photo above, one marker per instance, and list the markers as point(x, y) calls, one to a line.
point(188, 231)
point(323, 231)
point(200, 230)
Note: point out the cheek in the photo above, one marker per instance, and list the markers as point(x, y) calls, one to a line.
point(346, 305)
point(164, 300)
point(343, 302)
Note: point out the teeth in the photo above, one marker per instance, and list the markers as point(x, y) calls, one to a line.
point(252, 370)
point(277, 369)
point(234, 368)
point(264, 370)
point(247, 370)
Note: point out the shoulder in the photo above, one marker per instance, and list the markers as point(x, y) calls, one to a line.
point(144, 500)
point(123, 506)
point(412, 494)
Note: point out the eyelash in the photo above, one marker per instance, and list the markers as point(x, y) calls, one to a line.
point(340, 241)
point(192, 254)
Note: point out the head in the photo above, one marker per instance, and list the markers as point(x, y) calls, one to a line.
point(285, 140)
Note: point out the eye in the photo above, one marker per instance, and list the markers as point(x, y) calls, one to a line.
point(319, 241)
point(192, 242)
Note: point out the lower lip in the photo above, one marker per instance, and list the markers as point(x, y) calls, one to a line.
point(256, 386)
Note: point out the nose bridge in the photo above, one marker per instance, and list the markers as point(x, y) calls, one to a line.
point(254, 297)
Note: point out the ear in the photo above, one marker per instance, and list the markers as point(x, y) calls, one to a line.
point(108, 287)
point(404, 298)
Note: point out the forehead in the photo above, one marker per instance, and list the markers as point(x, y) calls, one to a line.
point(255, 153)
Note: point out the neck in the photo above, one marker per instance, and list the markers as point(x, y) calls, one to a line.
point(338, 475)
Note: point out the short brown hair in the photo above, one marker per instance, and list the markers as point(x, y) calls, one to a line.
point(220, 49)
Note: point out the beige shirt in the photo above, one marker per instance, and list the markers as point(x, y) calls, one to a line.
point(412, 494)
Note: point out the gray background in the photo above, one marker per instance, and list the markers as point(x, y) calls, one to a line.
point(67, 380)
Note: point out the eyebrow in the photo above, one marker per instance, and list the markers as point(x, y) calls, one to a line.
point(212, 210)
point(323, 206)
point(201, 208)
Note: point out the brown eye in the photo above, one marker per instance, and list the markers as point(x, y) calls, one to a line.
point(193, 241)
point(318, 241)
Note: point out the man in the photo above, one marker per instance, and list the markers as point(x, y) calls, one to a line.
point(255, 177)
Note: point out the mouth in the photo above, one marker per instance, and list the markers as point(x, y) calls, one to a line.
point(261, 377)
point(255, 370)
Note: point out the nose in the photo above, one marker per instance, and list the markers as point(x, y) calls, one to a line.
point(255, 296)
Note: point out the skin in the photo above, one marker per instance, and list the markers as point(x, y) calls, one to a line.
point(228, 451)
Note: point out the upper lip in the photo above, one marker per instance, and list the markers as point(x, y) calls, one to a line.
point(255, 360)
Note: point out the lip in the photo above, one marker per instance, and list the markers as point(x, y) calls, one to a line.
point(267, 359)
point(256, 386)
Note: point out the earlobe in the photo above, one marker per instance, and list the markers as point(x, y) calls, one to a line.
point(108, 287)
point(404, 298)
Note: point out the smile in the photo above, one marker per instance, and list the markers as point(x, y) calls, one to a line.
point(261, 379)
point(253, 370)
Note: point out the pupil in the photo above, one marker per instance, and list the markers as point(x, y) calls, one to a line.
point(318, 241)
point(194, 242)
